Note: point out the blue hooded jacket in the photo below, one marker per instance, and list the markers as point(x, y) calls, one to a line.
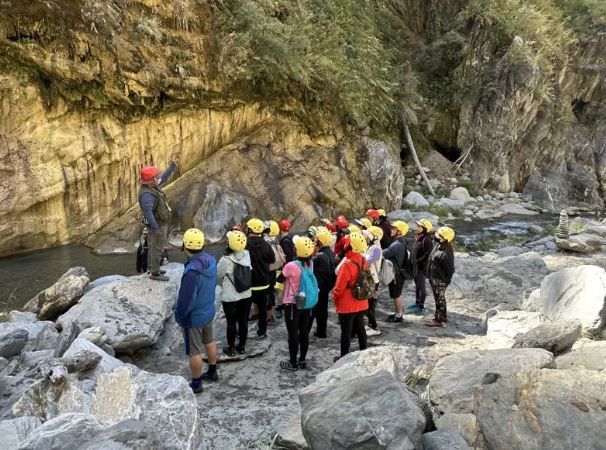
point(196, 303)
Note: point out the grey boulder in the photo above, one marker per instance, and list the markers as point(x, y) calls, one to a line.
point(66, 432)
point(444, 440)
point(415, 199)
point(455, 377)
point(12, 341)
point(504, 326)
point(61, 296)
point(129, 434)
point(555, 337)
point(591, 355)
point(107, 363)
point(65, 338)
point(581, 243)
point(371, 412)
point(540, 409)
point(460, 193)
point(103, 281)
point(14, 431)
point(131, 312)
point(287, 427)
point(464, 424)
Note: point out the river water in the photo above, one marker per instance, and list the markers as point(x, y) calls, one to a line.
point(23, 276)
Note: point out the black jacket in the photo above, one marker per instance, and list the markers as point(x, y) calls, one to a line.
point(261, 256)
point(420, 253)
point(440, 265)
point(397, 253)
point(288, 247)
point(386, 240)
point(324, 269)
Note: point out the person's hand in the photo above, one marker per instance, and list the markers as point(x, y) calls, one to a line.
point(175, 159)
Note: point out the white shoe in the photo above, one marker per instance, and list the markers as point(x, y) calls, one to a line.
point(372, 331)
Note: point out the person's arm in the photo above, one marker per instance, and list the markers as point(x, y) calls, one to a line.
point(270, 256)
point(168, 172)
point(391, 252)
point(343, 279)
point(186, 294)
point(222, 270)
point(148, 202)
point(449, 264)
point(374, 255)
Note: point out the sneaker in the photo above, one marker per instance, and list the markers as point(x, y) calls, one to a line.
point(207, 377)
point(229, 351)
point(159, 277)
point(372, 332)
point(196, 386)
point(336, 358)
point(414, 309)
point(433, 324)
point(262, 336)
point(302, 364)
point(240, 350)
point(320, 336)
point(162, 271)
point(279, 314)
point(394, 319)
point(287, 365)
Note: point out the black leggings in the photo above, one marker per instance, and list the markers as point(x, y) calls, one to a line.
point(236, 313)
point(259, 298)
point(320, 314)
point(297, 324)
point(352, 323)
point(372, 303)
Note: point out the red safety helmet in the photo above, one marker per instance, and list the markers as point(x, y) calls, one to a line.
point(284, 225)
point(149, 173)
point(341, 222)
point(373, 214)
point(331, 227)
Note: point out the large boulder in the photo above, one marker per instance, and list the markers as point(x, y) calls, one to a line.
point(415, 199)
point(12, 341)
point(511, 208)
point(398, 360)
point(461, 194)
point(371, 412)
point(61, 296)
point(103, 281)
point(455, 377)
point(464, 424)
point(66, 432)
point(287, 427)
point(41, 335)
point(504, 326)
point(132, 312)
point(65, 339)
point(576, 293)
point(590, 355)
point(540, 409)
point(555, 337)
point(106, 364)
point(444, 440)
point(450, 203)
point(581, 243)
point(165, 401)
point(16, 430)
point(128, 434)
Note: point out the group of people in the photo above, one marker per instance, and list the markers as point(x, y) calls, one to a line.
point(278, 274)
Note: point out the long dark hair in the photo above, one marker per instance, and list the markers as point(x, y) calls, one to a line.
point(305, 261)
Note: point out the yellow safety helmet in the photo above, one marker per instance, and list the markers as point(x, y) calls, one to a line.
point(274, 228)
point(193, 239)
point(366, 223)
point(236, 240)
point(425, 223)
point(353, 229)
point(381, 212)
point(358, 243)
point(446, 233)
point(256, 226)
point(324, 236)
point(304, 246)
point(377, 232)
point(401, 226)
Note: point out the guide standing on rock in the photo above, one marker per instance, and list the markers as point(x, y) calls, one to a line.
point(195, 308)
point(440, 269)
point(156, 213)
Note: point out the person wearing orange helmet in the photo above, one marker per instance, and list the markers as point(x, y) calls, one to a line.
point(156, 213)
point(373, 215)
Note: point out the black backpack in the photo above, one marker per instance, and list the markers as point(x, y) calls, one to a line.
point(242, 278)
point(364, 286)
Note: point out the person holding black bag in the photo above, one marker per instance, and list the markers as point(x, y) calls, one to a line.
point(397, 253)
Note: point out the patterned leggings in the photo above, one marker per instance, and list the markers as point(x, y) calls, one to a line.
point(439, 290)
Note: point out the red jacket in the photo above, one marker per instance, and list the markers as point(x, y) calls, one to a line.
point(345, 302)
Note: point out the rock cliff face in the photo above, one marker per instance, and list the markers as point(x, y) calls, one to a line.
point(91, 91)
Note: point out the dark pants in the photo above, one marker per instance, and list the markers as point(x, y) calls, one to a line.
point(352, 323)
point(320, 314)
point(271, 294)
point(372, 304)
point(297, 324)
point(420, 289)
point(259, 298)
point(156, 248)
point(236, 314)
point(439, 293)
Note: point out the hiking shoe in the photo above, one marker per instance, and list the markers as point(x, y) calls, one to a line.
point(159, 277)
point(394, 319)
point(162, 271)
point(279, 314)
point(302, 364)
point(262, 336)
point(434, 324)
point(320, 336)
point(229, 351)
point(372, 331)
point(196, 386)
point(207, 377)
point(240, 350)
point(413, 309)
point(336, 358)
point(287, 365)
point(253, 317)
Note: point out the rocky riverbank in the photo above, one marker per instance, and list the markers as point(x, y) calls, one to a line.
point(531, 323)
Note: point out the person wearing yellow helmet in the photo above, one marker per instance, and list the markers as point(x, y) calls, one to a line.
point(440, 269)
point(296, 318)
point(350, 309)
point(271, 236)
point(195, 308)
point(324, 270)
point(398, 254)
point(261, 256)
point(236, 302)
point(420, 254)
point(373, 256)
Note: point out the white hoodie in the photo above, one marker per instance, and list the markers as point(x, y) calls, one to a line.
point(225, 275)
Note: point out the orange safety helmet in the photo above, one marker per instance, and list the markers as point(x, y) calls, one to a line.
point(284, 225)
point(341, 222)
point(149, 173)
point(373, 214)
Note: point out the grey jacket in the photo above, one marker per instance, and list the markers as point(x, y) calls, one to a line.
point(225, 275)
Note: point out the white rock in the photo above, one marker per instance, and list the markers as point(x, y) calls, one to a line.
point(450, 203)
point(461, 194)
point(415, 199)
point(505, 326)
point(519, 210)
point(16, 430)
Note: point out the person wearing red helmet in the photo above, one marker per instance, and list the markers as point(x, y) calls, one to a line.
point(341, 224)
point(373, 215)
point(156, 213)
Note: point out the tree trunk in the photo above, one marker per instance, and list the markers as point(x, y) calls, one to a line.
point(413, 152)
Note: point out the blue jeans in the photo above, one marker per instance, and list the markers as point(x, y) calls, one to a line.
point(420, 289)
